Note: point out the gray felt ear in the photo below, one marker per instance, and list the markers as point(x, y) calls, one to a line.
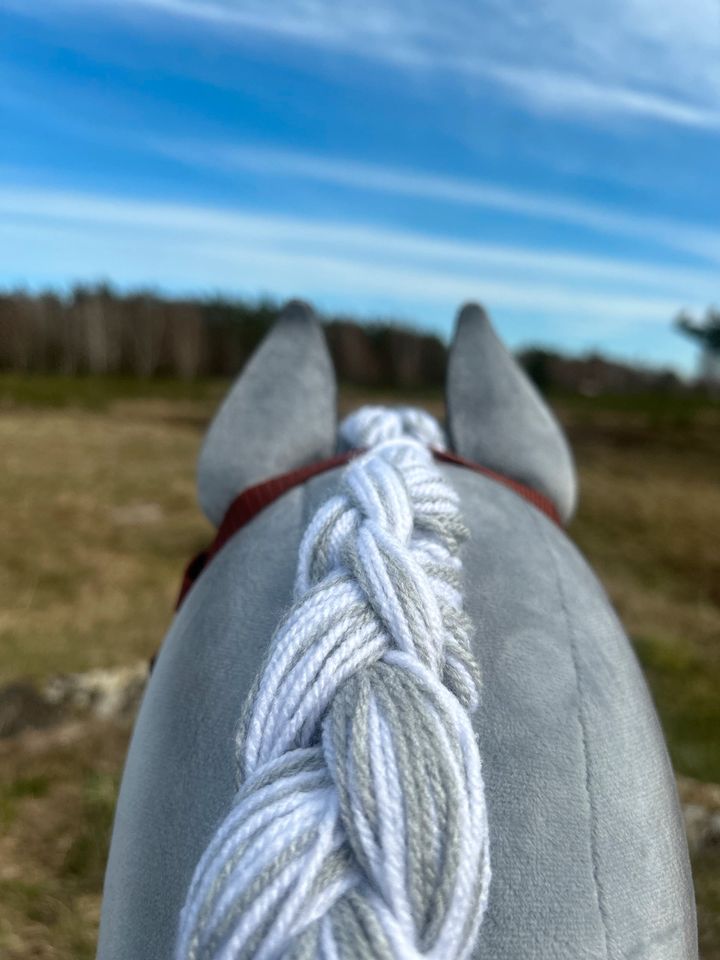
point(497, 418)
point(280, 413)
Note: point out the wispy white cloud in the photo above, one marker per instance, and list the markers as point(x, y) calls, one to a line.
point(560, 93)
point(191, 247)
point(652, 59)
point(696, 239)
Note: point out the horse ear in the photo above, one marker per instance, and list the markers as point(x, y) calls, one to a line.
point(279, 414)
point(497, 418)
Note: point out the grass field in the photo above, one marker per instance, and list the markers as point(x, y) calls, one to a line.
point(100, 515)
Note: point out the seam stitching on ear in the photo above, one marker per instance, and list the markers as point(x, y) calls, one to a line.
point(582, 723)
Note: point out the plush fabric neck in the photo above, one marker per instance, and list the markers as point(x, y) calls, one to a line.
point(256, 498)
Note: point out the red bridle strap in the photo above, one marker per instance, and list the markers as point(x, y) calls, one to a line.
point(256, 498)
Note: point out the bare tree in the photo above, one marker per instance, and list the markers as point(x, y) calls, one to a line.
point(186, 341)
point(22, 332)
point(146, 324)
point(97, 333)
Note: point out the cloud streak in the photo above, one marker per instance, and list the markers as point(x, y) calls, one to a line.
point(698, 240)
point(561, 93)
point(189, 247)
point(652, 59)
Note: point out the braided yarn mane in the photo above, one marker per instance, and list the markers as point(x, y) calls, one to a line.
point(359, 828)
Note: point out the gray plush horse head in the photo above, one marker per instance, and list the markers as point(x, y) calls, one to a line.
point(354, 821)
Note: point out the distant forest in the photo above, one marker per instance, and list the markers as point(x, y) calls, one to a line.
point(96, 330)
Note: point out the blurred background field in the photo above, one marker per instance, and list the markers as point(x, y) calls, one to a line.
point(100, 516)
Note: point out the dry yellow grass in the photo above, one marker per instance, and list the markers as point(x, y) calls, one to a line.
point(57, 798)
point(649, 522)
point(100, 510)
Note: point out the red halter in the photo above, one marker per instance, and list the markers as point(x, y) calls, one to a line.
point(254, 499)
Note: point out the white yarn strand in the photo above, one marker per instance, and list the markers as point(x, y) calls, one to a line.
point(359, 828)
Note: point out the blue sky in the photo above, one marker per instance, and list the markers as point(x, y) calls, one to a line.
point(557, 161)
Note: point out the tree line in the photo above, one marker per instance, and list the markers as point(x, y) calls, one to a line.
point(96, 330)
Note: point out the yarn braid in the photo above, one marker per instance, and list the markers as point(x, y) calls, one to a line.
point(359, 828)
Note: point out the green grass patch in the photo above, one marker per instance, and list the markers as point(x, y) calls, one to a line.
point(27, 898)
point(87, 854)
point(685, 688)
point(14, 792)
point(661, 407)
point(706, 876)
point(98, 392)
